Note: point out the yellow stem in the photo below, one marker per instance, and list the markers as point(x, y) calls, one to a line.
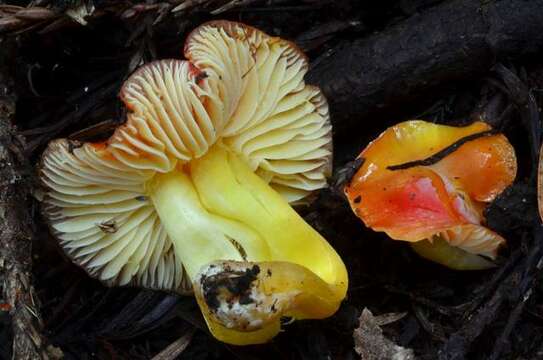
point(439, 251)
point(217, 209)
point(199, 236)
point(227, 185)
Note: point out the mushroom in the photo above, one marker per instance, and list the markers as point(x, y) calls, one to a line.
point(192, 192)
point(428, 184)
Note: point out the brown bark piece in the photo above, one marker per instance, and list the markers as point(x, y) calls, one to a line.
point(406, 63)
point(17, 293)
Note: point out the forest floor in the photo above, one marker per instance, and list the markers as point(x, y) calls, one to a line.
point(63, 77)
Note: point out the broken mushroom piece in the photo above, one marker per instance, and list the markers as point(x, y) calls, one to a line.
point(193, 191)
point(429, 184)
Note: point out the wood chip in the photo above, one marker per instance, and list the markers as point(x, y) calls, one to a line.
point(371, 344)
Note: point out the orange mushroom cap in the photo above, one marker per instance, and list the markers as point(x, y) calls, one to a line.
point(414, 184)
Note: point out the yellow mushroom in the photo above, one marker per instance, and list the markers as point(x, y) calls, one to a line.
point(192, 192)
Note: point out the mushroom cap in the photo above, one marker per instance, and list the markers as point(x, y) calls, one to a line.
point(444, 197)
point(238, 86)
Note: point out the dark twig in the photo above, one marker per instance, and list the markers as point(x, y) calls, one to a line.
point(90, 103)
point(441, 154)
point(444, 310)
point(79, 96)
point(16, 19)
point(344, 175)
point(468, 308)
point(176, 348)
point(511, 322)
point(532, 269)
point(144, 313)
point(456, 347)
point(434, 330)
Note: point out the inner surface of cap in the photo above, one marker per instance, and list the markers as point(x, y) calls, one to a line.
point(406, 190)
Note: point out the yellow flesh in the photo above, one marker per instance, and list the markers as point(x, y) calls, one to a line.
point(453, 257)
point(232, 190)
point(294, 290)
point(218, 199)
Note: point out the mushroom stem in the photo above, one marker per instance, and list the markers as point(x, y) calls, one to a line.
point(252, 297)
point(199, 236)
point(441, 252)
point(218, 209)
point(229, 188)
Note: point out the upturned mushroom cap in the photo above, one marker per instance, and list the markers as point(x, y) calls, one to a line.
point(411, 187)
point(276, 122)
point(239, 87)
